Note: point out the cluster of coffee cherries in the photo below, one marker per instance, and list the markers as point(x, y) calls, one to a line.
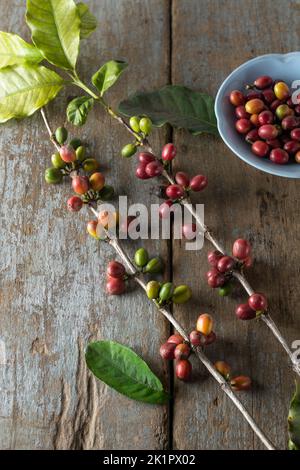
point(239, 383)
point(269, 119)
point(116, 278)
point(141, 126)
point(146, 264)
point(165, 292)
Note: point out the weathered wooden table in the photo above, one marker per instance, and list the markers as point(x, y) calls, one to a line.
point(52, 283)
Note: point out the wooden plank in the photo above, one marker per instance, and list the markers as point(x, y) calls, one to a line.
point(210, 38)
point(52, 296)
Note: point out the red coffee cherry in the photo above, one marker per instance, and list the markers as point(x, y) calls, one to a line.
point(206, 340)
point(263, 82)
point(295, 134)
point(169, 152)
point(146, 157)
point(176, 339)
point(115, 269)
point(260, 148)
point(254, 95)
point(241, 248)
point(195, 338)
point(189, 231)
point(164, 209)
point(279, 156)
point(268, 131)
point(268, 95)
point(240, 383)
point(213, 257)
point(241, 113)
point(244, 312)
point(252, 136)
point(154, 169)
point(67, 153)
point(115, 286)
point(141, 172)
point(182, 351)
point(225, 264)
point(215, 278)
point(183, 370)
point(237, 98)
point(265, 117)
point(290, 122)
point(167, 351)
point(291, 147)
point(258, 302)
point(74, 204)
point(198, 183)
point(174, 191)
point(80, 184)
point(182, 179)
point(243, 126)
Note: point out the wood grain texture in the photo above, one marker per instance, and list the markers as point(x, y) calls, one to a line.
point(210, 39)
point(52, 284)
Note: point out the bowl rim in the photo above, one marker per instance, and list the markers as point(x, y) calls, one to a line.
point(277, 170)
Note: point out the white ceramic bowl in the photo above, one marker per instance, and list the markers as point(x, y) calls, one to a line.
point(279, 66)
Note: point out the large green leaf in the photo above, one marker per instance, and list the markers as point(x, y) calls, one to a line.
point(122, 369)
point(24, 89)
point(15, 51)
point(78, 110)
point(176, 105)
point(294, 420)
point(108, 74)
point(87, 20)
point(55, 28)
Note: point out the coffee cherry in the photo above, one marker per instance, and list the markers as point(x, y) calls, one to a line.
point(258, 302)
point(74, 204)
point(152, 289)
point(279, 156)
point(254, 95)
point(289, 123)
point(61, 135)
point(215, 278)
point(195, 338)
point(75, 143)
point(204, 324)
point(169, 152)
point(223, 368)
point(254, 120)
point(90, 165)
point(80, 184)
point(53, 176)
point(244, 312)
point(176, 339)
point(268, 95)
point(291, 147)
point(265, 117)
point(141, 257)
point(274, 143)
point(189, 231)
point(134, 123)
point(174, 191)
point(268, 131)
point(243, 126)
point(146, 157)
point(240, 383)
point(164, 209)
point(115, 286)
point(206, 340)
point(213, 257)
point(182, 351)
point(67, 153)
point(107, 193)
point(141, 172)
point(115, 269)
point(181, 294)
point(125, 226)
point(167, 351)
point(263, 82)
point(254, 106)
point(154, 266)
point(241, 113)
point(108, 219)
point(225, 290)
point(281, 91)
point(198, 183)
point(252, 136)
point(225, 264)
point(92, 229)
point(97, 181)
point(153, 169)
point(128, 150)
point(166, 291)
point(80, 153)
point(183, 370)
point(236, 98)
point(248, 262)
point(297, 157)
point(283, 110)
point(297, 110)
point(146, 125)
point(295, 134)
point(260, 148)
point(182, 179)
point(241, 249)
point(57, 161)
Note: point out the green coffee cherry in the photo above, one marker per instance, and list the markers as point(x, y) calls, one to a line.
point(128, 150)
point(57, 161)
point(225, 290)
point(75, 143)
point(90, 165)
point(166, 291)
point(61, 135)
point(141, 257)
point(80, 153)
point(152, 289)
point(154, 266)
point(134, 122)
point(107, 193)
point(146, 125)
point(53, 176)
point(181, 294)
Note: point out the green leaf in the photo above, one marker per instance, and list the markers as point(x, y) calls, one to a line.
point(78, 110)
point(87, 20)
point(294, 420)
point(15, 51)
point(122, 369)
point(176, 105)
point(24, 89)
point(108, 74)
point(55, 28)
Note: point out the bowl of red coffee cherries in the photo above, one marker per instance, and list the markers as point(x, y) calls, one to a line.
point(258, 113)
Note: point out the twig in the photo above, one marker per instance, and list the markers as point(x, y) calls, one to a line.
point(51, 134)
